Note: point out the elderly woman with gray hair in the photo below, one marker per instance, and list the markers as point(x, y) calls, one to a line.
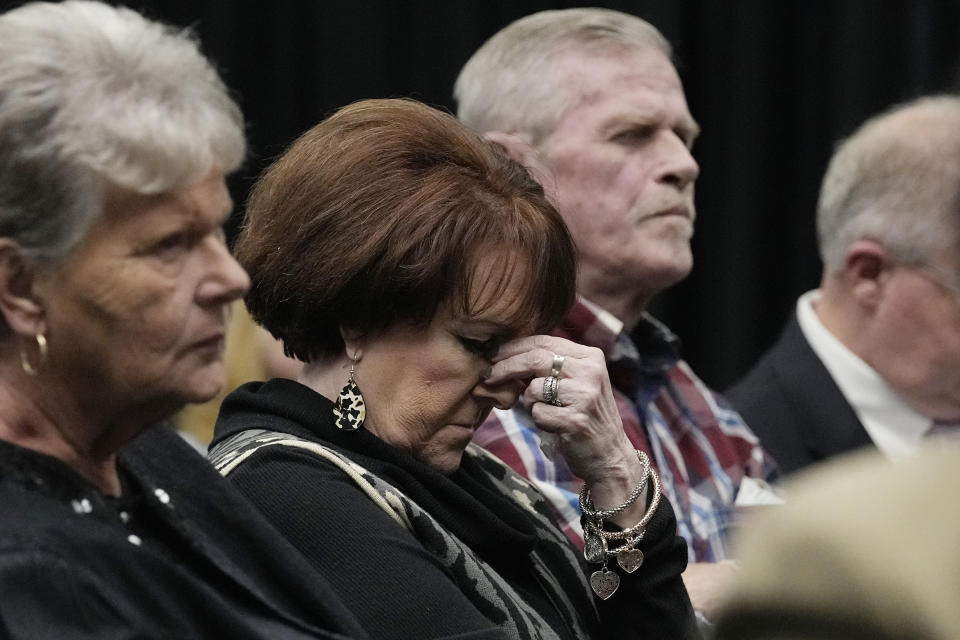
point(115, 134)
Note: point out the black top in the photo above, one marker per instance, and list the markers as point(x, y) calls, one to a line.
point(180, 555)
point(794, 406)
point(395, 586)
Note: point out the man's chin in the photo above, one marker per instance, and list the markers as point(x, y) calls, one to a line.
point(659, 275)
point(675, 229)
point(674, 264)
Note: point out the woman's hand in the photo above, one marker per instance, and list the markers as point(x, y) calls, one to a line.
point(583, 415)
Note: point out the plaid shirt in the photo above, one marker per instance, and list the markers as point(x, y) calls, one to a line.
point(699, 445)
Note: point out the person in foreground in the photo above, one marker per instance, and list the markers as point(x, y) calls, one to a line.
point(115, 133)
point(422, 261)
point(590, 100)
point(872, 357)
point(865, 549)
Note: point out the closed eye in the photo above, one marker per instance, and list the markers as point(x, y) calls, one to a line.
point(484, 348)
point(172, 245)
point(177, 243)
point(634, 135)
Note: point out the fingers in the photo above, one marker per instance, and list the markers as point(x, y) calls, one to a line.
point(581, 404)
point(523, 365)
point(535, 356)
point(551, 344)
point(570, 395)
point(565, 392)
point(550, 419)
point(577, 405)
point(511, 348)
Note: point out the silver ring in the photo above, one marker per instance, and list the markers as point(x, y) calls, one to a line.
point(551, 391)
point(557, 365)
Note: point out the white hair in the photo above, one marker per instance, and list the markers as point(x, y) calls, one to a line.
point(91, 96)
point(896, 181)
point(510, 84)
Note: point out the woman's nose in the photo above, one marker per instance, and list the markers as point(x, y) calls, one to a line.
point(503, 395)
point(225, 279)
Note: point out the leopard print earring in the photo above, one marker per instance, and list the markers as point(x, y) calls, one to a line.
point(349, 409)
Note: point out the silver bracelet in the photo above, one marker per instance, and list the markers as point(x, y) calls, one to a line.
point(605, 582)
point(586, 505)
point(640, 526)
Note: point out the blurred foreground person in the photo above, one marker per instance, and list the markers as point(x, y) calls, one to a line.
point(423, 261)
point(115, 133)
point(865, 549)
point(872, 357)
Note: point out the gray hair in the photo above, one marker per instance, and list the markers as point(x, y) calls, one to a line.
point(91, 96)
point(896, 180)
point(510, 84)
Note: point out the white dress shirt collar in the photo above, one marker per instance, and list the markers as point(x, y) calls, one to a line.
point(893, 425)
point(609, 320)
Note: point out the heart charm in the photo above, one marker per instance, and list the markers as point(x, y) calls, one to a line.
point(630, 559)
point(593, 548)
point(604, 583)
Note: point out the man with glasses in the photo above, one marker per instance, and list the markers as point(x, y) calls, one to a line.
point(872, 357)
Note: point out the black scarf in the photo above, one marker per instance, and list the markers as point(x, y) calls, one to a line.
point(520, 554)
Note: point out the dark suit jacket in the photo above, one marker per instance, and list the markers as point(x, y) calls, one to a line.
point(794, 406)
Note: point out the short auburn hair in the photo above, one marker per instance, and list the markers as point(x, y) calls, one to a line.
point(379, 214)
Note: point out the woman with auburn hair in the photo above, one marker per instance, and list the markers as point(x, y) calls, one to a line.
point(115, 281)
point(410, 264)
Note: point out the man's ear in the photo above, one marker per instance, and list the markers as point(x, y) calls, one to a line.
point(519, 149)
point(19, 303)
point(866, 262)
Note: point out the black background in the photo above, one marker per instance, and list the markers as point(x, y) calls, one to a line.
point(773, 83)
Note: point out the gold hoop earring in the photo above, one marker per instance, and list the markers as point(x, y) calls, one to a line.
point(25, 363)
point(349, 410)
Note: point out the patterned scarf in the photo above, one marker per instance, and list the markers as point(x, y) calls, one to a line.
point(492, 594)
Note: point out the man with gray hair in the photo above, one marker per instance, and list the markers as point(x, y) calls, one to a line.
point(590, 102)
point(872, 357)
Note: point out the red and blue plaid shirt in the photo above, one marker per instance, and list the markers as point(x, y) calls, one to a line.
point(699, 445)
